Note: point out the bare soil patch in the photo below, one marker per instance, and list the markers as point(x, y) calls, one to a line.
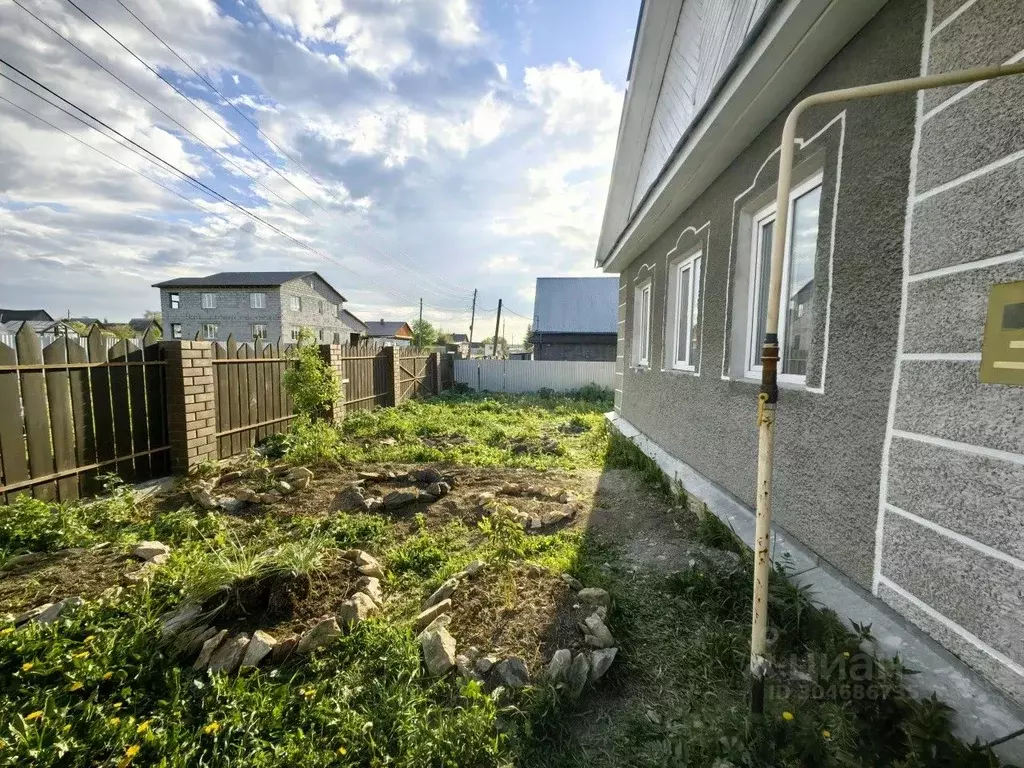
point(529, 613)
point(49, 577)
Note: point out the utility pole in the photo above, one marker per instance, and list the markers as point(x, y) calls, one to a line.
point(472, 319)
point(497, 325)
point(421, 311)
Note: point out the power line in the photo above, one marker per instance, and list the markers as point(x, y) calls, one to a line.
point(417, 270)
point(195, 182)
point(162, 112)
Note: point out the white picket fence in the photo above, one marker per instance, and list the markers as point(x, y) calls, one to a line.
point(531, 375)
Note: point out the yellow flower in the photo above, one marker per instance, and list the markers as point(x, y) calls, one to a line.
point(107, 675)
point(143, 727)
point(342, 751)
point(115, 721)
point(82, 655)
point(89, 639)
point(827, 734)
point(34, 715)
point(6, 631)
point(787, 715)
point(211, 728)
point(129, 755)
point(308, 692)
point(27, 666)
point(116, 705)
point(76, 686)
point(846, 654)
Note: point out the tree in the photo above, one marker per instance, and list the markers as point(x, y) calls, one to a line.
point(423, 334)
point(502, 346)
point(311, 383)
point(153, 314)
point(528, 339)
point(443, 338)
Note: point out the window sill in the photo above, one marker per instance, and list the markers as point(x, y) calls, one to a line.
point(681, 371)
point(792, 386)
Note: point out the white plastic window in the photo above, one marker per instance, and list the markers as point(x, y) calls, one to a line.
point(642, 325)
point(684, 328)
point(209, 301)
point(257, 301)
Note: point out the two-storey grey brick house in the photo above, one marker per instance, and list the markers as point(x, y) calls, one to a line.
point(252, 305)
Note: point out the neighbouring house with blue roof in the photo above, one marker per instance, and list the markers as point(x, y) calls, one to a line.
point(575, 318)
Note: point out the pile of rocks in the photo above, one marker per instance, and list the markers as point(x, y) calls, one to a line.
point(488, 502)
point(189, 633)
point(356, 496)
point(567, 673)
point(48, 612)
point(281, 481)
point(153, 554)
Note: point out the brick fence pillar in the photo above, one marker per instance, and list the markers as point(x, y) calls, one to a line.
point(391, 354)
point(191, 403)
point(331, 353)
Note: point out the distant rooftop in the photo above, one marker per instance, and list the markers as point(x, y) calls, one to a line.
point(576, 305)
point(239, 280)
point(7, 315)
point(459, 338)
point(387, 329)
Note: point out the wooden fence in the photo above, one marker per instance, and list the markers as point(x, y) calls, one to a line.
point(417, 373)
point(72, 411)
point(251, 401)
point(365, 370)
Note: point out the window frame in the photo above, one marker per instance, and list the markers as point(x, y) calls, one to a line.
point(764, 216)
point(693, 309)
point(641, 329)
point(175, 330)
point(257, 300)
point(206, 331)
point(208, 300)
point(295, 333)
point(296, 303)
point(259, 325)
point(174, 299)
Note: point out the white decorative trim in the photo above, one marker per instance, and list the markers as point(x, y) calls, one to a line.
point(953, 445)
point(975, 174)
point(946, 357)
point(890, 421)
point(705, 247)
point(952, 17)
point(801, 144)
point(967, 541)
point(969, 266)
point(967, 90)
point(967, 635)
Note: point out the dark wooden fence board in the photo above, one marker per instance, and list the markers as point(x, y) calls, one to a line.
point(139, 420)
point(13, 457)
point(33, 398)
point(103, 416)
point(120, 402)
point(81, 407)
point(62, 420)
point(156, 404)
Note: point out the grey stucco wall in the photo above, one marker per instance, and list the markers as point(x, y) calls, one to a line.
point(829, 444)
point(232, 315)
point(952, 556)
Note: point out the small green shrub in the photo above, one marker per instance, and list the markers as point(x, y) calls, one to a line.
point(506, 538)
point(310, 382)
point(313, 442)
point(353, 529)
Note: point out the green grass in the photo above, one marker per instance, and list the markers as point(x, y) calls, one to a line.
point(107, 693)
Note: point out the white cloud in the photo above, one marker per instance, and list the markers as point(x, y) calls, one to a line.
point(401, 110)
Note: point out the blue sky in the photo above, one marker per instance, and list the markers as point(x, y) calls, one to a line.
point(441, 146)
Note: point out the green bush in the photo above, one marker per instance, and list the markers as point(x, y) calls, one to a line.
point(310, 382)
point(313, 442)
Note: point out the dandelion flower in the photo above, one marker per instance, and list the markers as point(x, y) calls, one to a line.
point(79, 656)
point(129, 755)
point(787, 715)
point(107, 675)
point(27, 666)
point(76, 686)
point(211, 728)
point(342, 751)
point(827, 734)
point(143, 727)
point(115, 721)
point(116, 705)
point(34, 715)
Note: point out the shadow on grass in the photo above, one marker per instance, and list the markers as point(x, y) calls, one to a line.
point(678, 692)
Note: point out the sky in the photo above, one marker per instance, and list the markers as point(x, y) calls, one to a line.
point(404, 149)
